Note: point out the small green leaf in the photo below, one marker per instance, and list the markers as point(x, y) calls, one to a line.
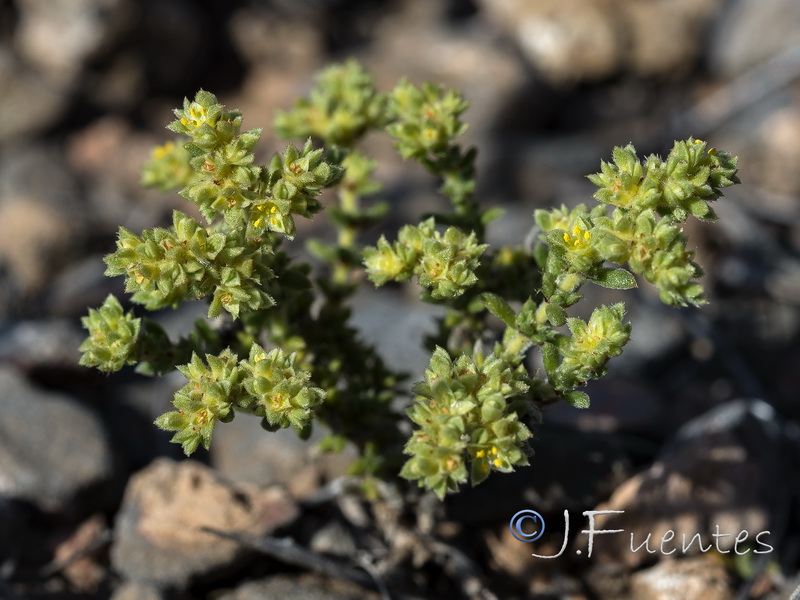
point(491, 214)
point(499, 308)
point(550, 357)
point(556, 315)
point(615, 279)
point(577, 399)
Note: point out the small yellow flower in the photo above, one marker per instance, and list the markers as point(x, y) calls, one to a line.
point(579, 238)
point(196, 117)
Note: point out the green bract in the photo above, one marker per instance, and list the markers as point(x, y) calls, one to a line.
point(112, 337)
point(474, 411)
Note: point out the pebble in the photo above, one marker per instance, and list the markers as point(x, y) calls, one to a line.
point(304, 587)
point(53, 450)
point(158, 537)
point(693, 579)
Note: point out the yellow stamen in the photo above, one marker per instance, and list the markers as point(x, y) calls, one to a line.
point(498, 462)
point(184, 122)
point(480, 454)
point(586, 236)
point(494, 450)
point(566, 237)
point(576, 230)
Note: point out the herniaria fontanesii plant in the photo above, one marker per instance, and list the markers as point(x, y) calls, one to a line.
point(279, 346)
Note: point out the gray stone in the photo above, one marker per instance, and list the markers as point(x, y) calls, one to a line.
point(159, 537)
point(748, 33)
point(28, 103)
point(725, 473)
point(334, 539)
point(44, 341)
point(80, 285)
point(566, 41)
point(618, 405)
point(397, 327)
point(785, 588)
point(275, 458)
point(51, 447)
point(278, 457)
point(304, 587)
point(40, 221)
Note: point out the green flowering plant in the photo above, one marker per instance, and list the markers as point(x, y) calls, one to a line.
point(279, 345)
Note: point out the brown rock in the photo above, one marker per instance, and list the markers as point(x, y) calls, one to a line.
point(53, 450)
point(159, 530)
point(569, 41)
point(666, 35)
point(79, 553)
point(566, 40)
point(691, 579)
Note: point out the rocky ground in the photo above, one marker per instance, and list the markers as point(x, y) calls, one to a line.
point(695, 431)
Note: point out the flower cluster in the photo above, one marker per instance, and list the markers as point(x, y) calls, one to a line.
point(445, 263)
point(425, 123)
point(473, 412)
point(650, 199)
point(343, 105)
point(468, 412)
point(683, 184)
point(268, 385)
point(164, 267)
point(572, 360)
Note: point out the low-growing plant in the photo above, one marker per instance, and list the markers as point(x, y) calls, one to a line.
point(279, 346)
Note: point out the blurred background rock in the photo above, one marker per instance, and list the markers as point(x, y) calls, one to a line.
point(86, 87)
